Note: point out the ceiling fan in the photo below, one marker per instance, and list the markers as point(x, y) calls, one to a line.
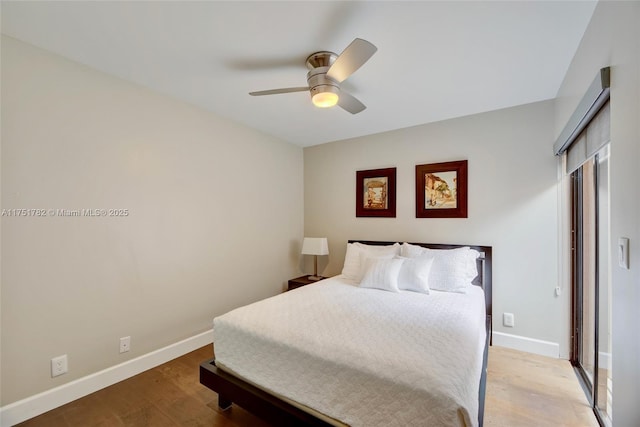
point(327, 71)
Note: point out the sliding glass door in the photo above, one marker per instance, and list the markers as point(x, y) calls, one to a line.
point(591, 325)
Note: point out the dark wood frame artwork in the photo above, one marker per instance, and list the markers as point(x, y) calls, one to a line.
point(276, 411)
point(361, 210)
point(460, 211)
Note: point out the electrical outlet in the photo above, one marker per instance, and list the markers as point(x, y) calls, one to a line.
point(59, 365)
point(125, 344)
point(508, 320)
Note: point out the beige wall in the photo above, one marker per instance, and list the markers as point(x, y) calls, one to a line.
point(215, 218)
point(512, 204)
point(613, 39)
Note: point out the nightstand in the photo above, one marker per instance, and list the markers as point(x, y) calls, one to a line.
point(301, 281)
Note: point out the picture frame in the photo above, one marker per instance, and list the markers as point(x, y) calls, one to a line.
point(441, 190)
point(376, 193)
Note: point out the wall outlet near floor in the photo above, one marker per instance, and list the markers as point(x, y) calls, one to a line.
point(59, 365)
point(125, 344)
point(508, 320)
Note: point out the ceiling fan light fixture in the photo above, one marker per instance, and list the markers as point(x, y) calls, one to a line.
point(325, 99)
point(324, 96)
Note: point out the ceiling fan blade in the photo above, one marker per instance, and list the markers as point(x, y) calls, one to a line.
point(277, 91)
point(350, 103)
point(352, 58)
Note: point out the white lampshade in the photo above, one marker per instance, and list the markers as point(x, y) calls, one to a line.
point(315, 246)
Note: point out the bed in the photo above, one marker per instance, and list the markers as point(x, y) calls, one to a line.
point(361, 348)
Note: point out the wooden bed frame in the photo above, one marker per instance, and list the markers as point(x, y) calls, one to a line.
point(274, 410)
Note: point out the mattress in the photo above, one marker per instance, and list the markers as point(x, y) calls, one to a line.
point(364, 357)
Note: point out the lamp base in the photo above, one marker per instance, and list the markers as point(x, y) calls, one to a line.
point(315, 278)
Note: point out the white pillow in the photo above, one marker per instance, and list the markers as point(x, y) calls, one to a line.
point(352, 269)
point(382, 274)
point(408, 250)
point(364, 257)
point(380, 249)
point(453, 270)
point(414, 274)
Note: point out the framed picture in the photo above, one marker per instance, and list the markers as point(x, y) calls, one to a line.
point(376, 193)
point(441, 190)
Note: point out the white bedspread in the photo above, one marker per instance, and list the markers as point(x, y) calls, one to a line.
point(365, 357)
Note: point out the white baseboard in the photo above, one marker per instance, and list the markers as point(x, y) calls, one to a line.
point(530, 345)
point(40, 403)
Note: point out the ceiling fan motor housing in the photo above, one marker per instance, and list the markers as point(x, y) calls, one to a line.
point(319, 82)
point(321, 59)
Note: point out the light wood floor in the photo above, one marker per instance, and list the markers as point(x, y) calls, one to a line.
point(527, 390)
point(523, 390)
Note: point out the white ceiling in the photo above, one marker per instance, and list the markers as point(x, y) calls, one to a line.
point(435, 60)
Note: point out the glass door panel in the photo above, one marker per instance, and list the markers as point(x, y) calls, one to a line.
point(604, 375)
point(587, 353)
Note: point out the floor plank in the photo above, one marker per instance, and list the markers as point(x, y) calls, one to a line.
point(523, 390)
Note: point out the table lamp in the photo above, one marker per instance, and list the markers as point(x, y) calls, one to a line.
point(315, 246)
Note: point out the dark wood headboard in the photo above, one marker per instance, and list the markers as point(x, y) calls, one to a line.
point(484, 265)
